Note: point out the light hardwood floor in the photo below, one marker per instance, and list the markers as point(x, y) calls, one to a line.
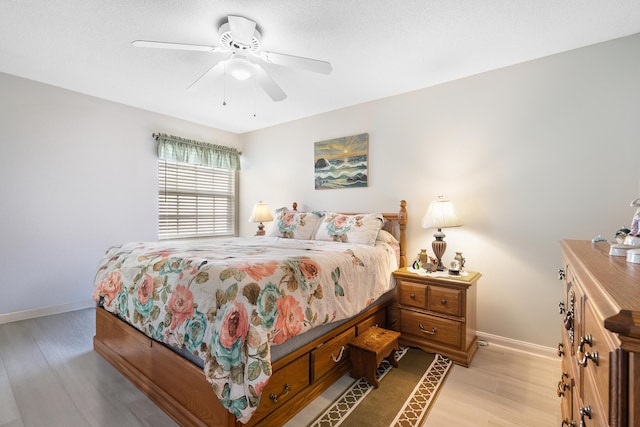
point(502, 387)
point(50, 376)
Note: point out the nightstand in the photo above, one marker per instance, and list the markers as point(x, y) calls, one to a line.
point(437, 313)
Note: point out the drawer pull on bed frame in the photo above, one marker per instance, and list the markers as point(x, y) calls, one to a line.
point(274, 397)
point(339, 358)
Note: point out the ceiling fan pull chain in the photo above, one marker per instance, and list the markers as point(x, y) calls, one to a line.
point(255, 103)
point(224, 85)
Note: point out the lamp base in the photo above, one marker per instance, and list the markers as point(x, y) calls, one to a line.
point(260, 231)
point(439, 246)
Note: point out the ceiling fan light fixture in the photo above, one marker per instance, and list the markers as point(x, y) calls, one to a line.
point(240, 69)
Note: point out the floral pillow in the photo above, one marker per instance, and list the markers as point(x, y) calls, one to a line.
point(295, 225)
point(361, 228)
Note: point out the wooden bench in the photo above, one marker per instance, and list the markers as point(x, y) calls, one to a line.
point(369, 348)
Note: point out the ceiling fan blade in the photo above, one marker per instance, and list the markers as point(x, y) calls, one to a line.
point(241, 29)
point(269, 85)
point(177, 46)
point(308, 64)
point(214, 71)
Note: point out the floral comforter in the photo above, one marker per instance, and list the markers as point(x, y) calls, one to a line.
point(228, 301)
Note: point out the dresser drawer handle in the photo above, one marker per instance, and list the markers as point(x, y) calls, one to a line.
point(339, 358)
point(560, 352)
point(274, 397)
point(584, 356)
point(562, 387)
point(443, 301)
point(585, 412)
point(434, 330)
point(412, 296)
point(568, 423)
point(562, 308)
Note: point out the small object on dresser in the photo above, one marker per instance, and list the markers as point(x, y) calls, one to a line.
point(598, 239)
point(621, 234)
point(620, 250)
point(632, 240)
point(633, 256)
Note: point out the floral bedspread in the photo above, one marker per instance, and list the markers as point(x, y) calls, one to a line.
point(228, 301)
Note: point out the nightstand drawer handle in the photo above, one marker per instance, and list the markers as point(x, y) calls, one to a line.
point(412, 296)
point(433, 330)
point(443, 302)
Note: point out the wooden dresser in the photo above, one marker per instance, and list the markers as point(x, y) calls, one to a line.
point(438, 314)
point(600, 348)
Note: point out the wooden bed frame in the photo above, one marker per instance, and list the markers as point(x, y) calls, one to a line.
point(181, 389)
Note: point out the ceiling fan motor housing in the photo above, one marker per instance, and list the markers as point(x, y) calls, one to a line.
point(226, 40)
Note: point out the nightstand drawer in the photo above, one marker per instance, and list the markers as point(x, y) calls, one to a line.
point(429, 327)
point(412, 294)
point(445, 300)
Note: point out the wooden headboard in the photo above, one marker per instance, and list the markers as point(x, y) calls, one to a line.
point(395, 223)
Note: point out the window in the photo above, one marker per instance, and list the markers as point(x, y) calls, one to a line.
point(195, 200)
point(197, 191)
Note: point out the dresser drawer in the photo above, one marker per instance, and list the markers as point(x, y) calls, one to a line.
point(412, 294)
point(431, 328)
point(445, 300)
point(283, 385)
point(595, 402)
point(601, 343)
point(331, 354)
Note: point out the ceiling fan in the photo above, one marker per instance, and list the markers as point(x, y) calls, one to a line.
point(240, 42)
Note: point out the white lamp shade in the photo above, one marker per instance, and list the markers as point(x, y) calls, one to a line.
point(441, 214)
point(260, 213)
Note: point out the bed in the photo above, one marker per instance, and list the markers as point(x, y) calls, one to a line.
point(247, 331)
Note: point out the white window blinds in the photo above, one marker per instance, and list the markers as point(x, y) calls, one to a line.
point(195, 200)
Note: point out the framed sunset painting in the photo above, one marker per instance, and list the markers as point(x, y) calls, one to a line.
point(341, 162)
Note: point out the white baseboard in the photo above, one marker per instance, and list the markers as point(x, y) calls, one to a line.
point(522, 346)
point(44, 311)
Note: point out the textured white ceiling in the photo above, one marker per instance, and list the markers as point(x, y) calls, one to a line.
point(378, 48)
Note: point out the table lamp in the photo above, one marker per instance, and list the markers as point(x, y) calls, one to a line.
point(441, 214)
point(260, 213)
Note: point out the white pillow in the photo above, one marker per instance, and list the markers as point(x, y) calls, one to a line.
point(360, 228)
point(385, 236)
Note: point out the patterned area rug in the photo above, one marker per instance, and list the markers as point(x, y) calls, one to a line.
point(362, 403)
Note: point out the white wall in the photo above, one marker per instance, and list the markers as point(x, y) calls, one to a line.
point(77, 174)
point(531, 154)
